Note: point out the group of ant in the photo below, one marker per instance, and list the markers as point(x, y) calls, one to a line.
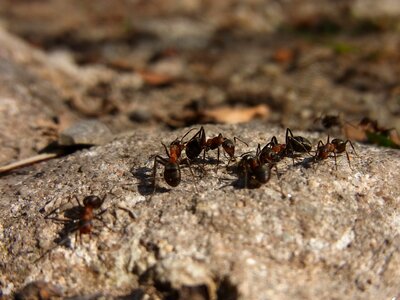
point(253, 169)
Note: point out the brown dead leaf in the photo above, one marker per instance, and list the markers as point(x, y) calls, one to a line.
point(234, 115)
point(354, 132)
point(395, 137)
point(358, 133)
point(283, 55)
point(155, 79)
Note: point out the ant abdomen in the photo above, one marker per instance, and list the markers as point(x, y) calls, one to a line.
point(300, 144)
point(85, 226)
point(193, 149)
point(262, 173)
point(172, 174)
point(340, 145)
point(229, 147)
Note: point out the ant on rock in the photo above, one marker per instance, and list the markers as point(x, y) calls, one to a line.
point(196, 144)
point(227, 144)
point(254, 172)
point(296, 143)
point(274, 152)
point(336, 146)
point(199, 143)
point(79, 219)
point(172, 171)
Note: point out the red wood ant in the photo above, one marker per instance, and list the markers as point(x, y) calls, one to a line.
point(199, 143)
point(329, 121)
point(336, 146)
point(227, 144)
point(253, 171)
point(296, 143)
point(39, 290)
point(196, 144)
point(369, 125)
point(172, 171)
point(272, 152)
point(79, 219)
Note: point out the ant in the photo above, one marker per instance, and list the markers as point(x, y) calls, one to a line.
point(39, 290)
point(329, 121)
point(370, 125)
point(272, 152)
point(196, 144)
point(336, 146)
point(296, 143)
point(227, 144)
point(172, 171)
point(254, 172)
point(199, 143)
point(79, 219)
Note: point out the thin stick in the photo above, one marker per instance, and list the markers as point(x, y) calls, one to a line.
point(27, 161)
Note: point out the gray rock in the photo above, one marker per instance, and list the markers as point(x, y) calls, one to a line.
point(316, 232)
point(86, 132)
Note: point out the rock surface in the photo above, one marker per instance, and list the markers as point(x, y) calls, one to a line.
point(142, 67)
point(316, 232)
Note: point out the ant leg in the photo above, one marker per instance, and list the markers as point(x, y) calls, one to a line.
point(64, 221)
point(77, 200)
point(287, 135)
point(276, 170)
point(102, 222)
point(348, 159)
point(166, 149)
point(104, 198)
point(236, 138)
point(352, 146)
point(188, 133)
point(334, 155)
point(191, 172)
point(217, 158)
point(157, 159)
point(258, 151)
point(246, 180)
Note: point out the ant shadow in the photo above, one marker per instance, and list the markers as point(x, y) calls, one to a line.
point(145, 185)
point(307, 162)
point(240, 182)
point(70, 224)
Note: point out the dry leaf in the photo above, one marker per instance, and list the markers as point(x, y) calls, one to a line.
point(354, 133)
point(283, 55)
point(155, 79)
point(234, 115)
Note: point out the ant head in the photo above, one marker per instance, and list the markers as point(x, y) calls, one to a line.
point(176, 142)
point(93, 201)
point(340, 144)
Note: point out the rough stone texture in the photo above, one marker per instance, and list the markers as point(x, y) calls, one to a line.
point(88, 132)
point(317, 232)
point(30, 106)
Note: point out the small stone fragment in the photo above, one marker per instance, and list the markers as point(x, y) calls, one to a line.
point(87, 132)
